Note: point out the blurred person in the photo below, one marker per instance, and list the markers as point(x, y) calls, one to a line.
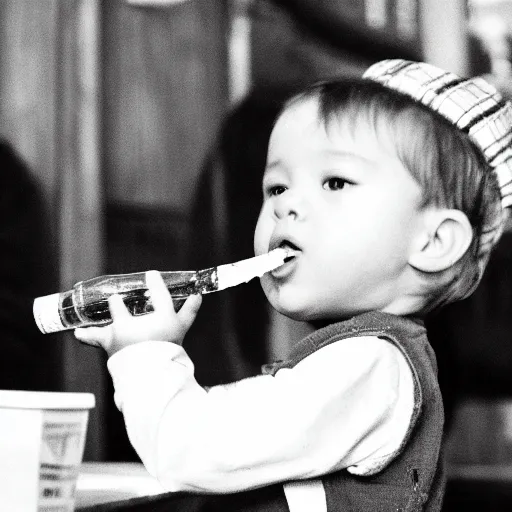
point(25, 268)
point(225, 211)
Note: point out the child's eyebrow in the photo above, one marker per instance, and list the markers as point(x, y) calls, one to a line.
point(348, 155)
point(328, 152)
point(271, 166)
point(333, 153)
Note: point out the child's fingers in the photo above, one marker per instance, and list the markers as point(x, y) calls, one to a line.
point(187, 314)
point(118, 309)
point(160, 296)
point(95, 336)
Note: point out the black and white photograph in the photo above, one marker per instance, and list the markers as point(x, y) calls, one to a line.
point(256, 255)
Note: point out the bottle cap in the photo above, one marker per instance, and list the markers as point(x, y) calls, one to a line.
point(46, 313)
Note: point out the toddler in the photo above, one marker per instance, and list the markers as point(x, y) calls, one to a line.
point(391, 190)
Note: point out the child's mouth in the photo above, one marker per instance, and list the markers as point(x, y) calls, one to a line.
point(291, 248)
point(287, 267)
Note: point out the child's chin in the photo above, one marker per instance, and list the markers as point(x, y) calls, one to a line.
point(294, 310)
point(305, 312)
point(289, 301)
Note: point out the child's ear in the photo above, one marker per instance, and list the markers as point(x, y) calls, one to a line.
point(445, 237)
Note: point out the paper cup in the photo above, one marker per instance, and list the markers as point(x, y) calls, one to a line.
point(42, 439)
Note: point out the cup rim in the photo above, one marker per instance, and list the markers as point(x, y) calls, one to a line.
point(19, 399)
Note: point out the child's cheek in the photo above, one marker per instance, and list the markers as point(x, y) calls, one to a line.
point(262, 235)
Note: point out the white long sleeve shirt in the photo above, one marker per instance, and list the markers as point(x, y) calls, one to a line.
point(348, 405)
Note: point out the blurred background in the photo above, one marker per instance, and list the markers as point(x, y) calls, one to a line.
point(133, 136)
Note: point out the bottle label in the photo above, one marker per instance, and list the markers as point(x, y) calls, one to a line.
point(46, 313)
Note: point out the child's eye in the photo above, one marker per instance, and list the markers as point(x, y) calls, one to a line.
point(275, 190)
point(335, 184)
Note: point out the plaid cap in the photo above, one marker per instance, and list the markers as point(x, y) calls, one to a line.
point(471, 104)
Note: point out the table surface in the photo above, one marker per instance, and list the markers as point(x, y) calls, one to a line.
point(105, 482)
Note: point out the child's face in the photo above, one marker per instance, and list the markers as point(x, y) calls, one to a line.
point(347, 204)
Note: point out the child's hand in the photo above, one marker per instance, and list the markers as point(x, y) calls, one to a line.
point(163, 324)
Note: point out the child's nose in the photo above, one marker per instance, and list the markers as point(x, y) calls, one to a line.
point(289, 204)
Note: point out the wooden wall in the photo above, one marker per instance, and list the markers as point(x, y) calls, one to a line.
point(113, 107)
point(165, 92)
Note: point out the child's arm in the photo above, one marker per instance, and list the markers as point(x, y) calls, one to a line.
point(164, 324)
point(346, 405)
point(343, 406)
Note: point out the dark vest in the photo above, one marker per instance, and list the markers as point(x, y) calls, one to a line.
point(413, 479)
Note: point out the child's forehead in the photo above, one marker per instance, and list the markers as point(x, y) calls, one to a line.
point(305, 141)
point(303, 111)
point(310, 112)
point(305, 117)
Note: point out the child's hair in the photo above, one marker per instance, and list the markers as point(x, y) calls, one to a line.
point(450, 169)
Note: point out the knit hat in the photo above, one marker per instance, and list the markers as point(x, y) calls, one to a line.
point(470, 104)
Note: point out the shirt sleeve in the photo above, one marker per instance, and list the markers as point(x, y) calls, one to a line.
point(348, 405)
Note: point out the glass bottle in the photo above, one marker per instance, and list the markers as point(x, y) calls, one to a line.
point(86, 303)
